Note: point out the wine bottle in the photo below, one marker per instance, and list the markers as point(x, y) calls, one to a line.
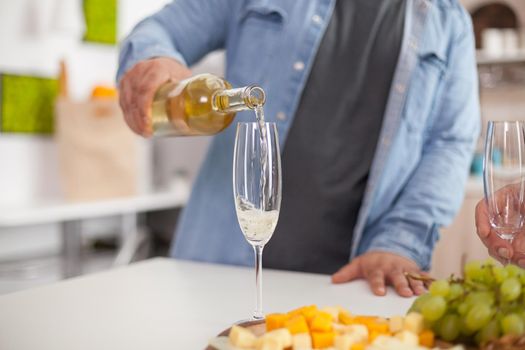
point(201, 105)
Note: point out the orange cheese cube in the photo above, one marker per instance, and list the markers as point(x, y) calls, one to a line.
point(373, 335)
point(358, 346)
point(297, 324)
point(307, 311)
point(275, 321)
point(322, 322)
point(322, 340)
point(345, 318)
point(426, 338)
point(379, 326)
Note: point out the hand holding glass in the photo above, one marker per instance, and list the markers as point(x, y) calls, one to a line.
point(503, 176)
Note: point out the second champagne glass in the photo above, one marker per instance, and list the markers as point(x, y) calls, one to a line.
point(503, 176)
point(257, 190)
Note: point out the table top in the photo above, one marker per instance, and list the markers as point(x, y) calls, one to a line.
point(58, 210)
point(165, 304)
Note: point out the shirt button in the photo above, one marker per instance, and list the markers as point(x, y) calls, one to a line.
point(298, 66)
point(424, 5)
point(281, 116)
point(413, 43)
point(317, 19)
point(400, 88)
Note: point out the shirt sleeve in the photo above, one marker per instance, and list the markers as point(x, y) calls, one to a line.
point(184, 30)
point(435, 191)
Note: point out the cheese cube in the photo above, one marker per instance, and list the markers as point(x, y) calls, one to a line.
point(275, 321)
point(408, 338)
point(322, 322)
point(282, 335)
point(297, 324)
point(241, 337)
point(414, 323)
point(265, 343)
point(395, 324)
point(332, 310)
point(345, 318)
point(344, 341)
point(322, 340)
point(301, 342)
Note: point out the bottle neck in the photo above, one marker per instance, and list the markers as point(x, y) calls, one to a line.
point(236, 100)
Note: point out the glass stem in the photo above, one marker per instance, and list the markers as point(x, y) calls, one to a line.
point(258, 314)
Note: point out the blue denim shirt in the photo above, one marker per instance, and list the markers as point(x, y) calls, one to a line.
point(430, 126)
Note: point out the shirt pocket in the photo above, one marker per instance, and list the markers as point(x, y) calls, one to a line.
point(260, 30)
point(424, 86)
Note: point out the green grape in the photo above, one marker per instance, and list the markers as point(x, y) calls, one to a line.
point(439, 288)
point(510, 289)
point(456, 290)
point(449, 327)
point(489, 332)
point(466, 330)
point(484, 297)
point(512, 324)
point(473, 270)
point(514, 271)
point(490, 262)
point(416, 306)
point(478, 316)
point(463, 308)
point(500, 273)
point(434, 308)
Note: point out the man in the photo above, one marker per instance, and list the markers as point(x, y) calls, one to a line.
point(376, 105)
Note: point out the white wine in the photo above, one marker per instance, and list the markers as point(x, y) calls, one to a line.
point(257, 225)
point(201, 105)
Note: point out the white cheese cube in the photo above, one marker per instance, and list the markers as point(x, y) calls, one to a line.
point(395, 324)
point(241, 337)
point(282, 335)
point(301, 341)
point(344, 341)
point(414, 323)
point(268, 343)
point(408, 338)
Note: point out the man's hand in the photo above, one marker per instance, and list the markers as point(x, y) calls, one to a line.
point(138, 86)
point(498, 248)
point(381, 269)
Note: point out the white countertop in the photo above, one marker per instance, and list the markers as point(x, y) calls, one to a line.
point(164, 304)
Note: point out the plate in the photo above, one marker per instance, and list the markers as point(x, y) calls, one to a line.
point(258, 328)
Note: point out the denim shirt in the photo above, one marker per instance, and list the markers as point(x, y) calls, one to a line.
point(431, 122)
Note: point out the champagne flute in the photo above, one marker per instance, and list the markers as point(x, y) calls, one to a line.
point(503, 172)
point(257, 190)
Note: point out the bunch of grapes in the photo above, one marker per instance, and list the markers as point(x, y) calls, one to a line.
point(487, 303)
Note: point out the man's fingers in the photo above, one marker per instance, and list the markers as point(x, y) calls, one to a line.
point(397, 278)
point(418, 287)
point(376, 279)
point(347, 273)
point(482, 220)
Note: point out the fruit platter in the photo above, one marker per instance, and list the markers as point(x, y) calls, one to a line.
point(484, 310)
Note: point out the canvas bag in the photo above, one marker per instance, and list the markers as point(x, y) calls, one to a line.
point(98, 153)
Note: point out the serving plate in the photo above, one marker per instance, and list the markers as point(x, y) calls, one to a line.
point(258, 328)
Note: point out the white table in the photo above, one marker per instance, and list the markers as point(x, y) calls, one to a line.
point(71, 214)
point(165, 304)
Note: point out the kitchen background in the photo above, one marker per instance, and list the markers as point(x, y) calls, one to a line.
point(49, 231)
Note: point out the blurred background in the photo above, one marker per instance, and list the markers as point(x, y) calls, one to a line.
point(80, 193)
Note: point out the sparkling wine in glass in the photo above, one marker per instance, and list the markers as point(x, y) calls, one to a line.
point(257, 190)
point(503, 177)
